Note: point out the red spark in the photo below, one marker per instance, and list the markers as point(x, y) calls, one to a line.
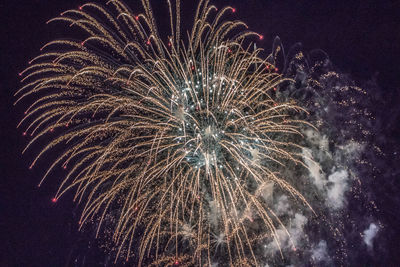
point(233, 10)
point(54, 200)
point(83, 43)
point(80, 7)
point(65, 167)
point(261, 37)
point(66, 125)
point(20, 74)
point(52, 130)
point(148, 42)
point(276, 69)
point(176, 262)
point(24, 133)
point(274, 88)
point(137, 17)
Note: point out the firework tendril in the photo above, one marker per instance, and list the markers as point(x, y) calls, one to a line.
point(177, 137)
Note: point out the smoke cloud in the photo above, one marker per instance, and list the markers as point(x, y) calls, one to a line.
point(369, 234)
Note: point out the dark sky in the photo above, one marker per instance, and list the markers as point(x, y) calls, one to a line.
point(362, 37)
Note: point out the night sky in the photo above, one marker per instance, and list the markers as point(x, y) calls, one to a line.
point(362, 38)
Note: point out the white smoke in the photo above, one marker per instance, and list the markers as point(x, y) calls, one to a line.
point(328, 171)
point(369, 234)
point(266, 191)
point(214, 213)
point(338, 185)
point(321, 142)
point(296, 228)
point(282, 205)
point(319, 252)
point(350, 151)
point(296, 233)
point(314, 168)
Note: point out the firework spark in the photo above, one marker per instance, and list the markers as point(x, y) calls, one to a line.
point(178, 137)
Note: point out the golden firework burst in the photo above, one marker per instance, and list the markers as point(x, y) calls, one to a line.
point(180, 136)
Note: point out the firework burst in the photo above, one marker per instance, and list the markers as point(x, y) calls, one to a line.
point(178, 138)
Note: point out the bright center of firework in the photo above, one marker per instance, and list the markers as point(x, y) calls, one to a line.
point(205, 148)
point(202, 121)
point(205, 123)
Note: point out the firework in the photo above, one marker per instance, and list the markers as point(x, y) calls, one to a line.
point(178, 138)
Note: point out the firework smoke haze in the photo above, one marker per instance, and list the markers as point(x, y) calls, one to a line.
point(193, 149)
